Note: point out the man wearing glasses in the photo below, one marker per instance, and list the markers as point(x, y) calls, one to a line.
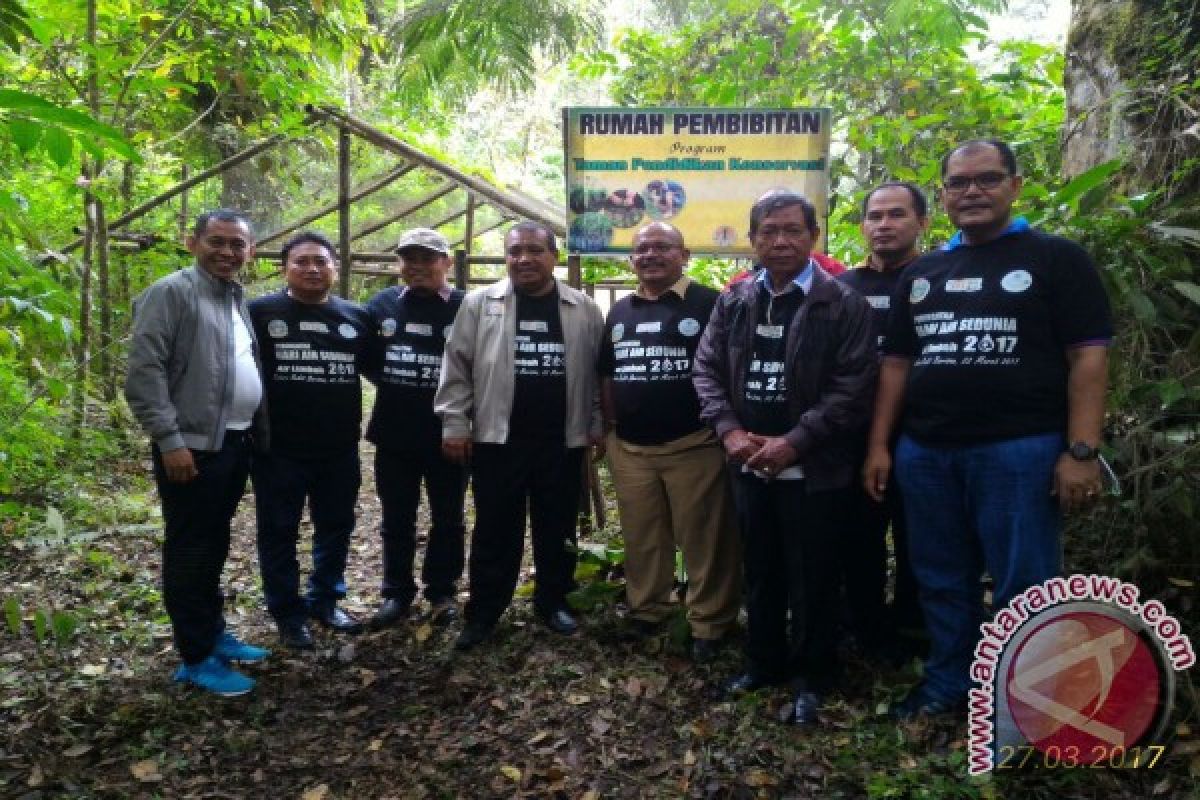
point(784, 374)
point(193, 385)
point(668, 468)
point(996, 354)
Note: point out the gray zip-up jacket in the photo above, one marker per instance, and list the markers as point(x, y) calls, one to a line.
point(475, 395)
point(180, 379)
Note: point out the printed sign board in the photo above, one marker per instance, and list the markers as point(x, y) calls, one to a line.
point(701, 169)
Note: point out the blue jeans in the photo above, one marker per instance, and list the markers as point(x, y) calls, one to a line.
point(970, 508)
point(281, 485)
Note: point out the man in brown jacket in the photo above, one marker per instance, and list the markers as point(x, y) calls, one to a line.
point(785, 373)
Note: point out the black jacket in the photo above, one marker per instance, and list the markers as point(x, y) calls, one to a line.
point(831, 367)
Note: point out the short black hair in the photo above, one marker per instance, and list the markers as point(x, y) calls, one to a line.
point(221, 215)
point(771, 202)
point(316, 237)
point(1006, 153)
point(533, 226)
point(919, 201)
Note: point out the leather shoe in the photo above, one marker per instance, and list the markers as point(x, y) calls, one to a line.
point(804, 710)
point(745, 682)
point(335, 619)
point(295, 635)
point(560, 622)
point(390, 612)
point(921, 703)
point(705, 650)
point(473, 633)
point(443, 611)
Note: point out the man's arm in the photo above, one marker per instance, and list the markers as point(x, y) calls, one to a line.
point(1076, 482)
point(889, 399)
point(711, 379)
point(455, 397)
point(147, 391)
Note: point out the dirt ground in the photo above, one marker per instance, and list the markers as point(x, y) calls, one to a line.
point(91, 712)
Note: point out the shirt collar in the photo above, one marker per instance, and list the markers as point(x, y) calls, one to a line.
point(803, 281)
point(443, 292)
point(1018, 225)
point(679, 288)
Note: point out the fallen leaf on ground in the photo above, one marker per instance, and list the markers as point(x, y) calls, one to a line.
point(146, 771)
point(77, 750)
point(318, 792)
point(511, 772)
point(92, 670)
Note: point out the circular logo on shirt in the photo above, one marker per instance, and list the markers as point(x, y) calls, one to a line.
point(919, 291)
point(1016, 281)
point(387, 327)
point(277, 328)
point(446, 331)
point(689, 326)
point(618, 332)
point(347, 331)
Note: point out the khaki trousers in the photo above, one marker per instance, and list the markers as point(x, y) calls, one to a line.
point(678, 494)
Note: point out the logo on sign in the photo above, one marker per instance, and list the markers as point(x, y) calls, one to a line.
point(919, 290)
point(689, 326)
point(277, 328)
point(1017, 281)
point(347, 331)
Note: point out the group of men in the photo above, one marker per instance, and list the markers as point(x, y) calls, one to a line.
point(756, 429)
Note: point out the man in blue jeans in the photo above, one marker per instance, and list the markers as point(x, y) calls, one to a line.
point(314, 348)
point(996, 356)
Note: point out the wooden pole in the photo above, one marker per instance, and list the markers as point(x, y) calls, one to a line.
point(442, 190)
point(344, 210)
point(391, 177)
point(108, 381)
point(184, 216)
point(469, 225)
point(491, 226)
point(446, 220)
point(462, 272)
point(484, 189)
point(574, 271)
point(179, 188)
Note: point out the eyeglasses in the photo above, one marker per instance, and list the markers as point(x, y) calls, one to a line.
point(218, 243)
point(654, 247)
point(986, 181)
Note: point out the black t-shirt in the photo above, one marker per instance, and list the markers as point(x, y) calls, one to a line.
point(987, 328)
point(539, 370)
point(766, 372)
point(647, 350)
point(877, 286)
point(412, 327)
point(312, 357)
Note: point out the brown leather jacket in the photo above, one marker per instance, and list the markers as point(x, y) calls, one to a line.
point(831, 368)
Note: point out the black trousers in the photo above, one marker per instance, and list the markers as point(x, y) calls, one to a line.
point(506, 479)
point(282, 485)
point(790, 554)
point(864, 567)
point(197, 517)
point(398, 477)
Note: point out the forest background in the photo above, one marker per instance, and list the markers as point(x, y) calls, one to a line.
point(107, 102)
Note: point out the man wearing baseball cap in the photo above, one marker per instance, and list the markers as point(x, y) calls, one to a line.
point(413, 322)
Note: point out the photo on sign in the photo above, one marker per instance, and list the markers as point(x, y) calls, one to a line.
point(625, 208)
point(666, 198)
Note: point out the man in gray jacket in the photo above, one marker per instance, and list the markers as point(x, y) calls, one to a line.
point(518, 399)
point(194, 386)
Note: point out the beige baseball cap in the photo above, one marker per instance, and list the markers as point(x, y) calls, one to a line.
point(427, 238)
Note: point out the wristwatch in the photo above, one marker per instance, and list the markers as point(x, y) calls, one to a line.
point(1082, 451)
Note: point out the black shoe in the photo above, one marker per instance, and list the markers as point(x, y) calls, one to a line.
point(390, 612)
point(335, 619)
point(295, 635)
point(560, 622)
point(473, 633)
point(705, 650)
point(443, 611)
point(745, 682)
point(920, 703)
point(804, 708)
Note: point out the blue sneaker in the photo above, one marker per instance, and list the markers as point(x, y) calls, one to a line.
point(214, 675)
point(230, 649)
